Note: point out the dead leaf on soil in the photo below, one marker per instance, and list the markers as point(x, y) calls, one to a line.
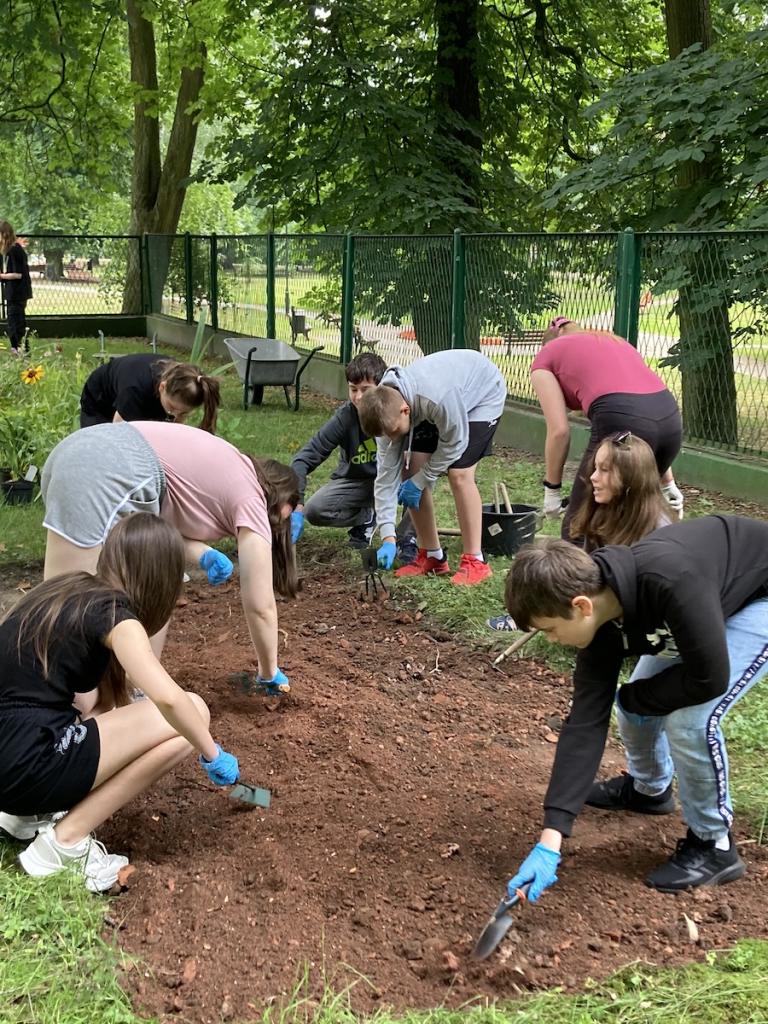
point(692, 929)
point(189, 973)
point(124, 874)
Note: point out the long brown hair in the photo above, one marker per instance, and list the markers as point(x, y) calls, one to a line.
point(187, 384)
point(281, 487)
point(142, 560)
point(638, 508)
point(7, 236)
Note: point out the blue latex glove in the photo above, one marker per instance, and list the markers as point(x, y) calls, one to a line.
point(409, 495)
point(385, 556)
point(297, 525)
point(223, 770)
point(278, 685)
point(217, 566)
point(539, 869)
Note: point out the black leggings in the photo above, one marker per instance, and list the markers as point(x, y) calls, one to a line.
point(655, 418)
point(17, 323)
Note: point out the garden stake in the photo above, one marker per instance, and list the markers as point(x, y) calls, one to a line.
point(516, 646)
point(374, 586)
point(499, 924)
point(253, 795)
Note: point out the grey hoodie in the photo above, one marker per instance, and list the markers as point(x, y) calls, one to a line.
point(451, 390)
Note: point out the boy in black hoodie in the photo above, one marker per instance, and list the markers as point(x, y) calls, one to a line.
point(692, 598)
point(347, 500)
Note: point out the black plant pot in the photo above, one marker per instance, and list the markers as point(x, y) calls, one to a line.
point(18, 492)
point(5, 474)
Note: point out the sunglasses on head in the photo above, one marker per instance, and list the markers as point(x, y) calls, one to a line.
point(622, 440)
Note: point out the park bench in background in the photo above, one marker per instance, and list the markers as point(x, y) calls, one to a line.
point(527, 339)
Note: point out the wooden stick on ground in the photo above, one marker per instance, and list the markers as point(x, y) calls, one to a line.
point(517, 645)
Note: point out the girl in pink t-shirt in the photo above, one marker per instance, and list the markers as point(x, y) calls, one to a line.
point(605, 378)
point(199, 482)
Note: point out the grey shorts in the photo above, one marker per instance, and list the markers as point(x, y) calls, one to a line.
point(95, 477)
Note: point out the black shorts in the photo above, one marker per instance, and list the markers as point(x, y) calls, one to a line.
point(480, 444)
point(48, 759)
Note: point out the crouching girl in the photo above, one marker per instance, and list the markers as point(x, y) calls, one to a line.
point(70, 740)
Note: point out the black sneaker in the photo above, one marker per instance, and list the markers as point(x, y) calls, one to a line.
point(697, 862)
point(360, 535)
point(407, 550)
point(619, 794)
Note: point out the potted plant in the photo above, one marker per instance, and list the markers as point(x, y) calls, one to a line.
point(17, 448)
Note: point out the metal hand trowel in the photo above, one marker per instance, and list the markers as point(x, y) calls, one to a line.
point(499, 924)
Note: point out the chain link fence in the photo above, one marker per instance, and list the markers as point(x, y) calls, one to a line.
point(694, 303)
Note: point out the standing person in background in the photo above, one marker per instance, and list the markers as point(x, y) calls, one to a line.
point(145, 386)
point(604, 377)
point(198, 482)
point(436, 416)
point(16, 284)
point(73, 750)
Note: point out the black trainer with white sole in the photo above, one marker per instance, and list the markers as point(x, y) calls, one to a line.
point(619, 794)
point(697, 862)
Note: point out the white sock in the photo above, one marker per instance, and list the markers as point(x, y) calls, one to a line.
point(478, 556)
point(437, 554)
point(724, 843)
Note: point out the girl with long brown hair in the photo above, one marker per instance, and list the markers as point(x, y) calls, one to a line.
point(16, 285)
point(198, 482)
point(605, 378)
point(145, 386)
point(70, 740)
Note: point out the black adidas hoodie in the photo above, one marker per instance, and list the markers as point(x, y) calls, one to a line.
point(676, 588)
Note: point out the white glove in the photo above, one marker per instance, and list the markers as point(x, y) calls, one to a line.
point(675, 497)
point(553, 505)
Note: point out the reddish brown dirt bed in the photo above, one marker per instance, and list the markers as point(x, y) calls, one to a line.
point(407, 779)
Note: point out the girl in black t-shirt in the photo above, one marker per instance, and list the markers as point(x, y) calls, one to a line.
point(70, 739)
point(145, 386)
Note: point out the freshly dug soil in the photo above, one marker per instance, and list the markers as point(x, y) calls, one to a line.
point(407, 777)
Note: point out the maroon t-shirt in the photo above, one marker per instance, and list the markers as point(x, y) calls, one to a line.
point(589, 364)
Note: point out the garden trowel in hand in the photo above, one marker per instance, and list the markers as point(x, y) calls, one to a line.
point(499, 924)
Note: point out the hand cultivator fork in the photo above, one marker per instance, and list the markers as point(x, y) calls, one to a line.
point(374, 587)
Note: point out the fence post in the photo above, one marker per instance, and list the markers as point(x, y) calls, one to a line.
point(146, 277)
point(188, 281)
point(215, 281)
point(457, 290)
point(347, 300)
point(271, 328)
point(627, 307)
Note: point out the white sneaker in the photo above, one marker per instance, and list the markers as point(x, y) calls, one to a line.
point(45, 856)
point(26, 826)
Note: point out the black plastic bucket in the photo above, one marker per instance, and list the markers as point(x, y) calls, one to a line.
point(17, 492)
point(504, 533)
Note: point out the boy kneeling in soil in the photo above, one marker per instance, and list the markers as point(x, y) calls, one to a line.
point(347, 500)
point(70, 740)
point(436, 416)
point(692, 599)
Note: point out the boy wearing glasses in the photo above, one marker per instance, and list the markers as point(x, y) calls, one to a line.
point(692, 600)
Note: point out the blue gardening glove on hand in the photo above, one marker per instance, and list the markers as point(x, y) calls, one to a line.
point(277, 685)
point(223, 770)
point(385, 556)
point(539, 869)
point(217, 566)
point(409, 495)
point(297, 525)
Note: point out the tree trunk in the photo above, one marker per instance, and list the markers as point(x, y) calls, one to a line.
point(157, 192)
point(706, 348)
point(458, 137)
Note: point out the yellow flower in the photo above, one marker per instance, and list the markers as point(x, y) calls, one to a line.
point(32, 375)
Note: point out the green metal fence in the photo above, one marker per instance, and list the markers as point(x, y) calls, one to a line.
point(693, 303)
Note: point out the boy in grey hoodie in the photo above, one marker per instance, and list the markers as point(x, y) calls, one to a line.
point(437, 416)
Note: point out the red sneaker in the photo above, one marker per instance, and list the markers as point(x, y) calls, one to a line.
point(423, 565)
point(471, 571)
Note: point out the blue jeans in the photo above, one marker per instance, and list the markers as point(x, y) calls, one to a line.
point(689, 741)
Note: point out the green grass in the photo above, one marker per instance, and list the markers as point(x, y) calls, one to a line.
point(54, 967)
